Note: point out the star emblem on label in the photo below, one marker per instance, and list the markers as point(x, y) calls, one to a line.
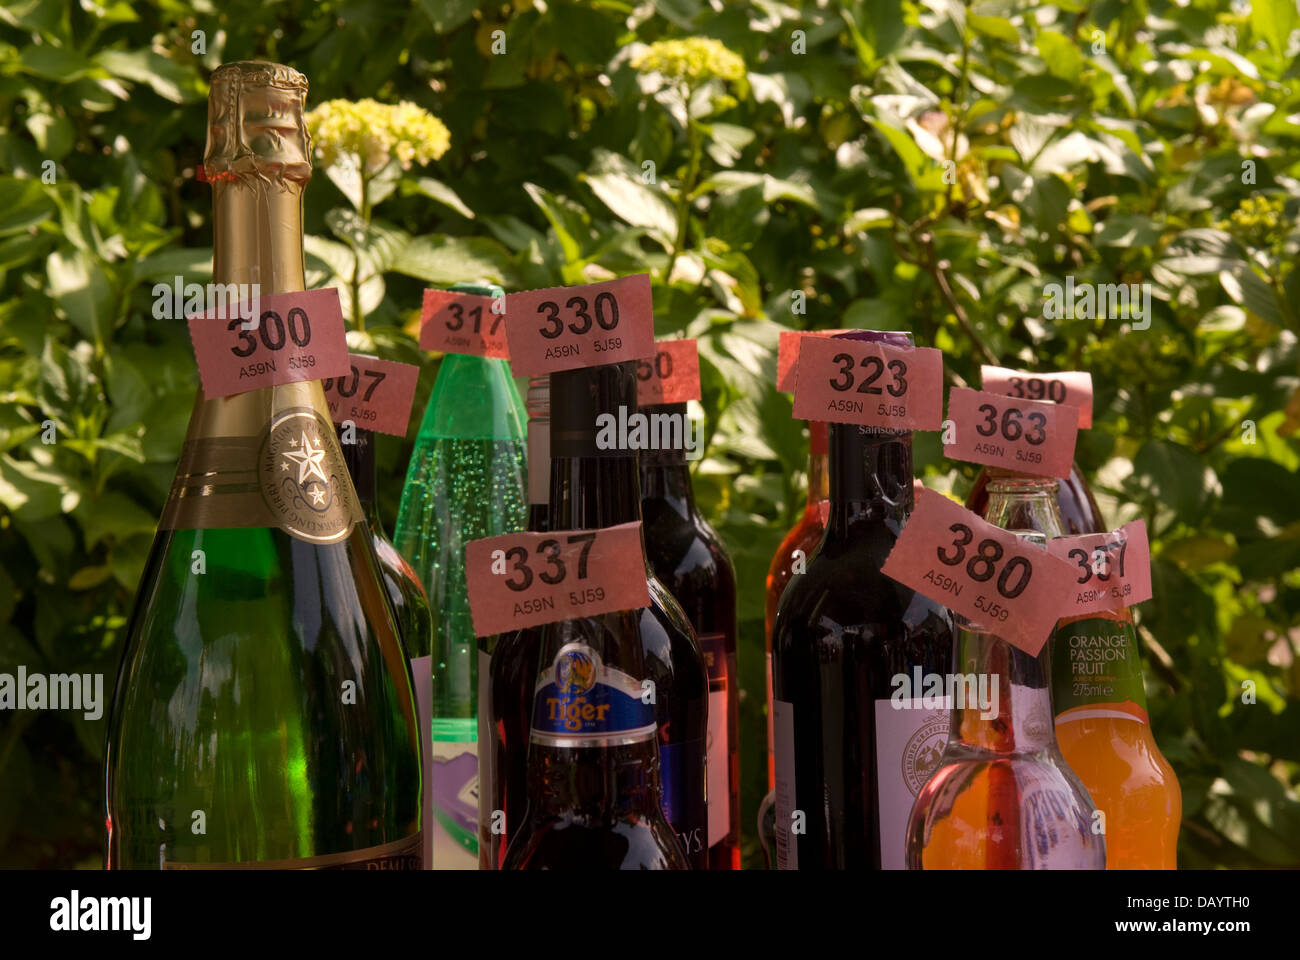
point(308, 459)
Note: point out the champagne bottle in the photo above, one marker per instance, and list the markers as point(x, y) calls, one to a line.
point(465, 482)
point(263, 715)
point(688, 558)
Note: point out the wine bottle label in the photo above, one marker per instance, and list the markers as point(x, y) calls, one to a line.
point(683, 777)
point(1027, 436)
point(671, 376)
point(1113, 570)
point(1073, 388)
point(404, 854)
point(869, 383)
point(304, 478)
point(787, 846)
point(581, 702)
point(910, 737)
point(454, 826)
point(375, 395)
point(1096, 672)
point(292, 478)
point(714, 648)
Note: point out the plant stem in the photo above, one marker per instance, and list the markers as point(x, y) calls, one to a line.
point(687, 187)
point(357, 315)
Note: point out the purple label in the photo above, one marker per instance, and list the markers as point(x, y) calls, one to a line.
point(681, 775)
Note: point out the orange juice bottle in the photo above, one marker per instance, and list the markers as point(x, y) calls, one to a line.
point(1105, 736)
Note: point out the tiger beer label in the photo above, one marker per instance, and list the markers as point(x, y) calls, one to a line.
point(563, 328)
point(1027, 436)
point(672, 375)
point(375, 394)
point(292, 337)
point(869, 383)
point(1097, 672)
point(980, 571)
point(304, 479)
point(1113, 570)
point(1071, 388)
point(455, 322)
point(581, 702)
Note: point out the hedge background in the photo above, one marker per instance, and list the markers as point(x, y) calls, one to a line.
point(927, 166)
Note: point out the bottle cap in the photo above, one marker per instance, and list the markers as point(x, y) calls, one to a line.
point(257, 128)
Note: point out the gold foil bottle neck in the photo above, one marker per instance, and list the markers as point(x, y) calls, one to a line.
point(257, 128)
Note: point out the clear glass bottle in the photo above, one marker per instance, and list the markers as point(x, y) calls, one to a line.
point(1002, 796)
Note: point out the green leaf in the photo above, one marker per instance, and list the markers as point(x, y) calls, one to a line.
point(999, 28)
point(81, 288)
point(447, 260)
point(439, 191)
point(30, 493)
point(1245, 287)
point(115, 515)
point(569, 221)
point(23, 204)
point(55, 63)
point(447, 15)
point(619, 185)
point(164, 76)
point(1273, 20)
point(1175, 476)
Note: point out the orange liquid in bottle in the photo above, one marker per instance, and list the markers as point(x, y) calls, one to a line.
point(1107, 740)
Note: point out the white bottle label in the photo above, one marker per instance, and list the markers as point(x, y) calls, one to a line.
point(909, 740)
point(719, 795)
point(787, 848)
point(422, 671)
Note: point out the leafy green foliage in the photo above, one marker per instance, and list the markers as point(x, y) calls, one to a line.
point(930, 166)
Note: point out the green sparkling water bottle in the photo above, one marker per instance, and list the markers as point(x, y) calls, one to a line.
point(466, 481)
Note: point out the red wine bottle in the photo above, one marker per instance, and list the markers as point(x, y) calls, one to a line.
point(688, 558)
point(854, 740)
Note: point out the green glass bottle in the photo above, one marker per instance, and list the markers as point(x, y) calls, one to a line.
point(466, 481)
point(263, 715)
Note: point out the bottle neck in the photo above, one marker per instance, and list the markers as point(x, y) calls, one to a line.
point(1026, 506)
point(539, 442)
point(257, 234)
point(1002, 700)
point(665, 474)
point(818, 462)
point(870, 477)
point(360, 458)
point(592, 486)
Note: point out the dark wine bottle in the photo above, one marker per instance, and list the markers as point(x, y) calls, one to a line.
point(688, 558)
point(850, 754)
point(576, 793)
